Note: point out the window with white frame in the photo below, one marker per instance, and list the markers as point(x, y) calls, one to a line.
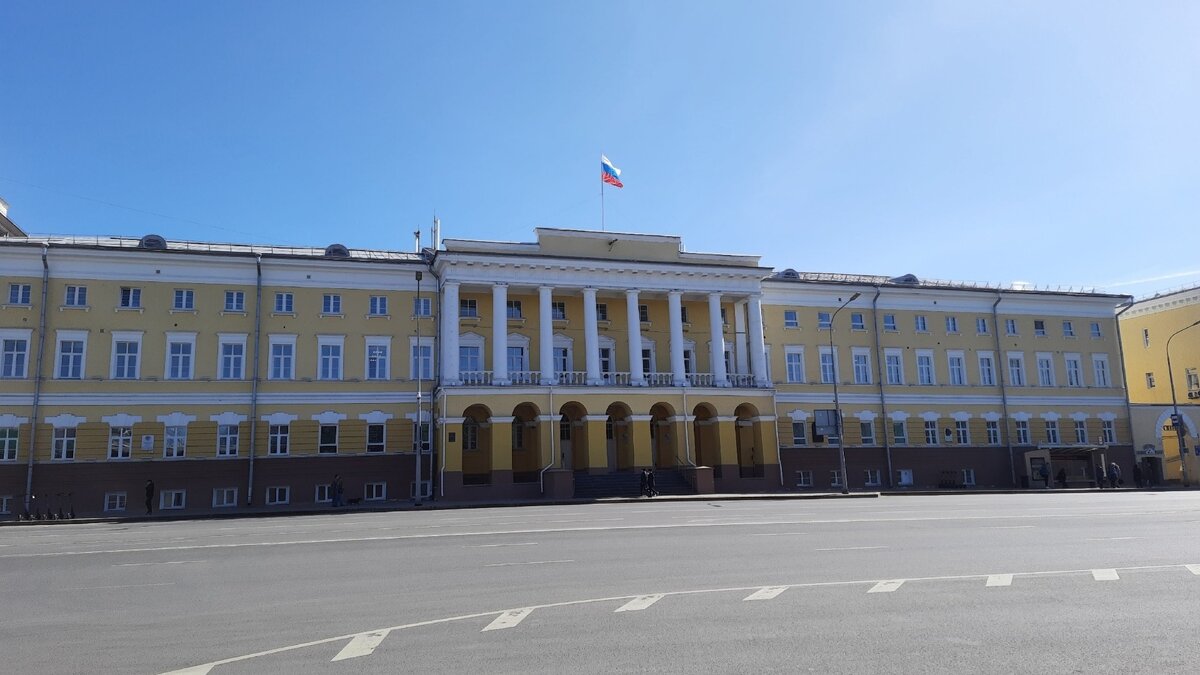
point(179, 356)
point(799, 434)
point(421, 306)
point(331, 303)
point(469, 359)
point(993, 432)
point(835, 478)
point(981, 325)
point(790, 319)
point(228, 440)
point(889, 322)
point(1068, 328)
point(920, 324)
point(1149, 380)
point(468, 308)
point(925, 373)
point(63, 444)
point(968, 477)
point(1095, 329)
point(75, 296)
point(607, 356)
point(958, 368)
point(6, 502)
point(470, 435)
point(278, 494)
point(689, 361)
point(893, 359)
point(1039, 328)
point(644, 313)
point(174, 442)
point(1010, 326)
point(518, 435)
point(558, 311)
point(235, 301)
point(126, 349)
point(131, 298)
point(283, 357)
point(513, 309)
point(824, 321)
point(1100, 368)
point(327, 439)
point(422, 433)
point(374, 492)
point(962, 432)
point(70, 356)
point(377, 305)
point(376, 437)
point(1145, 337)
point(648, 360)
point(377, 358)
point(931, 432)
point(987, 369)
point(185, 299)
point(225, 497)
point(277, 439)
point(601, 311)
point(1045, 366)
point(683, 314)
point(14, 354)
point(828, 365)
point(284, 303)
point(324, 493)
point(794, 356)
point(421, 360)
point(951, 324)
point(1108, 430)
point(1052, 431)
point(120, 442)
point(900, 432)
point(1022, 432)
point(1081, 435)
point(233, 357)
point(516, 359)
point(1074, 370)
point(115, 501)
point(1016, 369)
point(857, 322)
point(867, 431)
point(862, 365)
point(872, 478)
point(804, 478)
point(8, 443)
point(20, 294)
point(169, 500)
point(329, 349)
point(1193, 379)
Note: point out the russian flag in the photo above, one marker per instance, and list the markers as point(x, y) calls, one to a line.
point(609, 173)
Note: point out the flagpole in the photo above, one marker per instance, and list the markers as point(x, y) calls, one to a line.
point(601, 200)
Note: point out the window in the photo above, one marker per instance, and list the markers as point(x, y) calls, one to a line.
point(277, 439)
point(1039, 328)
point(871, 477)
point(324, 493)
point(683, 317)
point(1193, 379)
point(958, 369)
point(1022, 432)
point(174, 442)
point(1145, 337)
point(1108, 431)
point(981, 325)
point(920, 324)
point(790, 320)
point(63, 444)
point(8, 443)
point(925, 367)
point(962, 432)
point(421, 366)
point(828, 366)
point(1149, 380)
point(931, 432)
point(644, 313)
point(889, 322)
point(278, 494)
point(1100, 366)
point(131, 298)
point(125, 359)
point(470, 435)
point(824, 321)
point(516, 359)
point(518, 434)
point(513, 309)
point(235, 301)
point(804, 478)
point(19, 294)
point(377, 361)
point(70, 359)
point(179, 359)
point(835, 478)
point(1080, 431)
point(14, 357)
point(799, 434)
point(648, 363)
point(185, 298)
point(1052, 431)
point(993, 432)
point(1010, 326)
point(1095, 329)
point(867, 430)
point(900, 432)
point(987, 369)
point(689, 362)
point(224, 497)
point(331, 303)
point(284, 303)
point(327, 439)
point(374, 492)
point(120, 442)
point(227, 440)
point(6, 504)
point(968, 477)
point(795, 364)
point(469, 360)
point(376, 437)
point(1074, 371)
point(76, 296)
point(1045, 368)
point(115, 501)
point(421, 306)
point(895, 367)
point(856, 321)
point(601, 311)
point(1016, 370)
point(330, 367)
point(169, 500)
point(468, 308)
point(1068, 329)
point(283, 355)
point(377, 306)
point(862, 366)
point(233, 358)
point(952, 324)
point(558, 311)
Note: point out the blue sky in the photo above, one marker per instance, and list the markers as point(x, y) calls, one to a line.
point(1054, 143)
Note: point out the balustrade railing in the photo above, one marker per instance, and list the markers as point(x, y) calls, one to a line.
point(578, 378)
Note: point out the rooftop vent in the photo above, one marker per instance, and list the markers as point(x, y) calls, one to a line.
point(337, 251)
point(152, 242)
point(908, 279)
point(789, 273)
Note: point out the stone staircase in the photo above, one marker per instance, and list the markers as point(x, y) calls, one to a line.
point(628, 484)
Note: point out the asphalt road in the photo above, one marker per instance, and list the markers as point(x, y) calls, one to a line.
point(982, 583)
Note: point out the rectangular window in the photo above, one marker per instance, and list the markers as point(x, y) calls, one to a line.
point(867, 430)
point(277, 439)
point(324, 493)
point(856, 321)
point(120, 442)
point(20, 294)
point(125, 360)
point(376, 437)
point(115, 501)
point(931, 435)
point(76, 296)
point(327, 440)
point(423, 434)
point(421, 306)
point(63, 448)
point(282, 360)
point(331, 362)
point(1010, 326)
point(377, 362)
point(235, 301)
point(900, 432)
point(1193, 379)
point(516, 359)
point(8, 443)
point(981, 325)
point(895, 367)
point(70, 359)
point(468, 308)
point(1052, 431)
point(993, 432)
point(331, 303)
point(968, 477)
point(987, 369)
point(601, 311)
point(889, 322)
point(952, 324)
point(925, 368)
point(824, 321)
point(683, 317)
point(795, 366)
point(828, 366)
point(15, 358)
point(1022, 432)
point(1068, 329)
point(174, 442)
point(799, 435)
point(962, 432)
point(518, 434)
point(1095, 329)
point(470, 435)
point(278, 494)
point(644, 313)
point(558, 311)
point(958, 369)
point(513, 309)
point(647, 360)
point(790, 319)
point(919, 324)
point(1074, 371)
point(1100, 366)
point(185, 298)
point(374, 492)
point(469, 360)
point(1045, 370)
point(1108, 429)
point(835, 478)
point(1016, 370)
point(233, 356)
point(421, 365)
point(1080, 431)
point(225, 497)
point(179, 355)
point(871, 478)
point(862, 367)
point(1039, 328)
point(804, 478)
point(377, 306)
point(1149, 380)
point(227, 440)
point(284, 303)
point(1145, 337)
point(131, 298)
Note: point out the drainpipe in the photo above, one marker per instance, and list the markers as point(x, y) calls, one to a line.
point(879, 359)
point(37, 377)
point(254, 380)
point(1125, 383)
point(1012, 460)
point(687, 439)
point(553, 446)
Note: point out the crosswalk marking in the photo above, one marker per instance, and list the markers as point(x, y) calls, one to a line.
point(1105, 575)
point(509, 619)
point(1194, 569)
point(994, 580)
point(767, 593)
point(639, 603)
point(363, 644)
point(886, 586)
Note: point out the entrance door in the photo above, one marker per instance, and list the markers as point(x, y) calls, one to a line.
point(610, 444)
point(564, 442)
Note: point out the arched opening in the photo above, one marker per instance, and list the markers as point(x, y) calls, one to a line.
point(749, 441)
point(572, 436)
point(618, 434)
point(477, 446)
point(663, 441)
point(707, 439)
point(526, 444)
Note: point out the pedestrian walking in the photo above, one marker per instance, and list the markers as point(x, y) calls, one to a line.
point(335, 491)
point(1044, 474)
point(1061, 477)
point(650, 483)
point(149, 496)
point(1137, 475)
point(1114, 475)
point(644, 483)
point(1099, 471)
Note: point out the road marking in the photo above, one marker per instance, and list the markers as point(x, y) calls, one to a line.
point(363, 644)
point(886, 586)
point(534, 562)
point(526, 543)
point(1105, 575)
point(995, 580)
point(768, 593)
point(1194, 569)
point(639, 603)
point(168, 562)
point(509, 619)
point(1113, 538)
point(775, 534)
point(852, 548)
point(102, 588)
point(1010, 527)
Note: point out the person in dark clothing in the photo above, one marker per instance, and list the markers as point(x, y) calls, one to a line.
point(644, 487)
point(1114, 475)
point(1044, 474)
point(335, 491)
point(650, 483)
point(1137, 475)
point(1061, 477)
point(149, 496)
point(1100, 476)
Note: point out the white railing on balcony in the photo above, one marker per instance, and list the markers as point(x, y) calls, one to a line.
point(741, 380)
point(525, 377)
point(475, 377)
point(660, 379)
point(700, 379)
point(572, 377)
point(578, 378)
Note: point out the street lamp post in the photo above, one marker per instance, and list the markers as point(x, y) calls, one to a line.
point(1176, 418)
point(837, 408)
point(418, 436)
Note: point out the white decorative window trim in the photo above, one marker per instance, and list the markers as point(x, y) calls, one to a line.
point(1107, 416)
point(991, 416)
point(10, 420)
point(228, 418)
point(121, 420)
point(328, 417)
point(375, 417)
point(1051, 416)
point(176, 419)
point(65, 421)
point(866, 415)
point(898, 415)
point(1022, 416)
point(280, 418)
point(961, 416)
point(425, 416)
point(1079, 416)
point(799, 415)
point(930, 416)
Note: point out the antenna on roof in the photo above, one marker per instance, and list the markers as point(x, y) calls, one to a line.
point(417, 240)
point(436, 232)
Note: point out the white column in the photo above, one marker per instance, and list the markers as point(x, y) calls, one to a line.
point(636, 377)
point(499, 334)
point(591, 338)
point(450, 333)
point(739, 338)
point(546, 334)
point(758, 346)
point(674, 309)
point(717, 330)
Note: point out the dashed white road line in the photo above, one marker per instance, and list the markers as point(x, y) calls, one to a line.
point(639, 603)
point(104, 588)
point(777, 534)
point(524, 543)
point(1010, 527)
point(1105, 575)
point(851, 548)
point(887, 586)
point(995, 580)
point(1113, 538)
point(768, 593)
point(532, 562)
point(362, 645)
point(166, 562)
point(509, 619)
